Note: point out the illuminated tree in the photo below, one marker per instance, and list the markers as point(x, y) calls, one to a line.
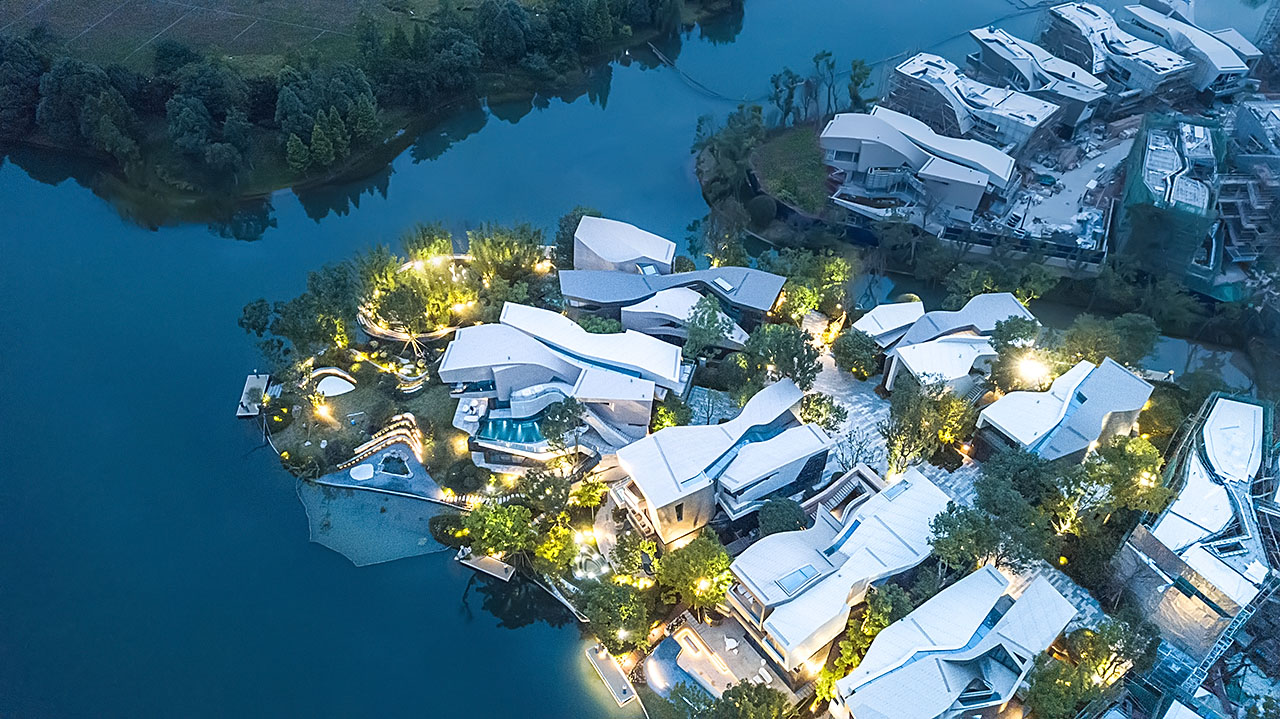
point(697, 573)
point(617, 614)
point(855, 351)
point(822, 410)
point(499, 528)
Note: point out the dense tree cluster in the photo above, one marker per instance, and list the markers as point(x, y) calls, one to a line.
point(205, 123)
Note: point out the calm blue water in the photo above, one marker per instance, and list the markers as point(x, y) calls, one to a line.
point(153, 563)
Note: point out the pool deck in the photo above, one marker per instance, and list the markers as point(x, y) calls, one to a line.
point(722, 655)
point(611, 674)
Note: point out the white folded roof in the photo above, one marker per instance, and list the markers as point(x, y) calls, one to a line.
point(1233, 439)
point(1217, 52)
point(885, 323)
point(757, 459)
point(970, 153)
point(884, 536)
point(622, 242)
point(628, 351)
point(1028, 416)
point(946, 358)
point(672, 462)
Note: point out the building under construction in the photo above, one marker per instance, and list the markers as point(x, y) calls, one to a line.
point(1205, 566)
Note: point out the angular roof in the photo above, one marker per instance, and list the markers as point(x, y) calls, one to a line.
point(946, 358)
point(888, 320)
point(739, 286)
point(672, 462)
point(884, 536)
point(1073, 412)
point(1035, 62)
point(759, 458)
point(1107, 390)
point(1212, 525)
point(968, 96)
point(1184, 35)
point(622, 242)
point(1028, 416)
point(970, 153)
point(980, 314)
point(861, 126)
point(628, 352)
point(918, 667)
point(1109, 41)
point(496, 345)
point(677, 303)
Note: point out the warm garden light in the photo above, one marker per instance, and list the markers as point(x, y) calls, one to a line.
point(1033, 370)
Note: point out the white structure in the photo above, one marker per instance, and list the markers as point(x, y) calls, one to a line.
point(794, 590)
point(1232, 437)
point(1198, 569)
point(965, 650)
point(886, 323)
point(677, 475)
point(602, 244)
point(932, 89)
point(1084, 407)
point(1029, 68)
point(665, 315)
point(1086, 35)
point(506, 375)
point(1218, 67)
point(746, 294)
point(948, 346)
point(892, 166)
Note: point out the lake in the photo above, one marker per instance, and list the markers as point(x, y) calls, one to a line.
point(155, 558)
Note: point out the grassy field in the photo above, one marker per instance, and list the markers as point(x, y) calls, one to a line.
point(789, 166)
point(253, 34)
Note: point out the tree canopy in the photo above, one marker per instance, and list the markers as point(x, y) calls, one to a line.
point(781, 515)
point(856, 352)
point(697, 573)
point(619, 618)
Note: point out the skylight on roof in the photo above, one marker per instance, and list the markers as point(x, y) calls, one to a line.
point(796, 579)
point(723, 284)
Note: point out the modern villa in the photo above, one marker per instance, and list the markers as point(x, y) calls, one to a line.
point(951, 346)
point(887, 165)
point(505, 376)
point(678, 476)
point(1086, 35)
point(1022, 65)
point(666, 314)
point(603, 244)
point(745, 294)
point(1205, 564)
point(1083, 408)
point(1219, 67)
point(793, 591)
point(887, 323)
point(932, 89)
point(961, 654)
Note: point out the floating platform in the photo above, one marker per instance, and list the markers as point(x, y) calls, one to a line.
point(488, 565)
point(255, 386)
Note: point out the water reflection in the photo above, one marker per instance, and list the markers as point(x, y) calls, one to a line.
point(517, 603)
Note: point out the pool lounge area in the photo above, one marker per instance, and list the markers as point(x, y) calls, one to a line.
point(514, 431)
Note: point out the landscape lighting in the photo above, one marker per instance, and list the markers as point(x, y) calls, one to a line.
point(1033, 370)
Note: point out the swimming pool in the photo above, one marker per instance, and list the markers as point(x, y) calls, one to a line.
point(520, 431)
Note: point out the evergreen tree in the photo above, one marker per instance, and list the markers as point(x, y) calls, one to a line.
point(398, 44)
point(338, 135)
point(297, 154)
point(364, 119)
point(291, 114)
point(321, 147)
